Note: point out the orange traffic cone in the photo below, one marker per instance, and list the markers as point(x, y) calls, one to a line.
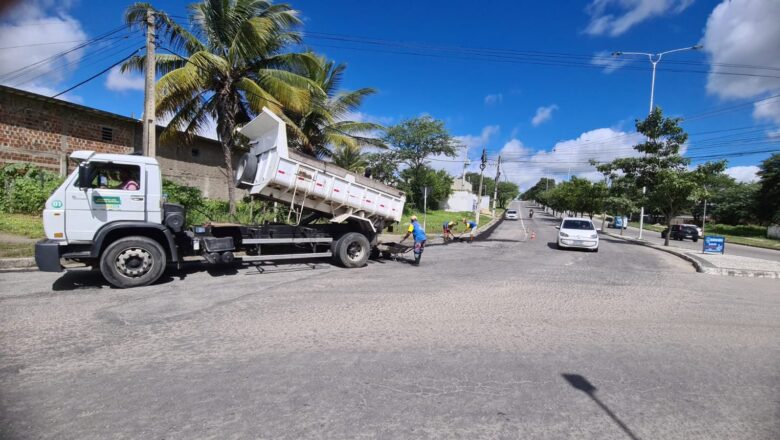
point(533, 235)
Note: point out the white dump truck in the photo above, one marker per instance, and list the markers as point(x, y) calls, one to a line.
point(111, 213)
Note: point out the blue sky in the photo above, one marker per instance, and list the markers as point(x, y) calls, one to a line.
point(485, 69)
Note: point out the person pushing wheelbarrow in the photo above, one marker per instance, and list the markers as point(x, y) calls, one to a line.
point(418, 234)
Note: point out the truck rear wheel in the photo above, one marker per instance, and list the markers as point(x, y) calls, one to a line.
point(352, 250)
point(132, 262)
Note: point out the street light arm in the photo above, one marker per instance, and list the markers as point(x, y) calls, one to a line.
point(696, 47)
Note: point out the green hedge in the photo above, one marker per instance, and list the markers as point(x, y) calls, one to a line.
point(24, 188)
point(738, 230)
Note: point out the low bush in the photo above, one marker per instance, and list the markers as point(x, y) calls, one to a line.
point(738, 230)
point(201, 210)
point(25, 188)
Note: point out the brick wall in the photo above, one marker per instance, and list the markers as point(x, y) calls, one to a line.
point(42, 131)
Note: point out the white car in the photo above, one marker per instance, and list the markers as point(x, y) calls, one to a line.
point(511, 214)
point(577, 233)
point(698, 229)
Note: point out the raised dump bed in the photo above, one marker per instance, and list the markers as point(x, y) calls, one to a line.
point(274, 172)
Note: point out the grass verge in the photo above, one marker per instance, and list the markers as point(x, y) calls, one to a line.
point(16, 250)
point(761, 242)
point(435, 220)
point(23, 225)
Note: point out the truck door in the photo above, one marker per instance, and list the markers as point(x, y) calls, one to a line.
point(116, 193)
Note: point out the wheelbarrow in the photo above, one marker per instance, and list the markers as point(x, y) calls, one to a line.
point(392, 250)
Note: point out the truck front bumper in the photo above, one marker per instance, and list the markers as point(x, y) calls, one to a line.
point(47, 255)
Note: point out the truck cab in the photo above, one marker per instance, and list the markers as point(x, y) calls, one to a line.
point(109, 198)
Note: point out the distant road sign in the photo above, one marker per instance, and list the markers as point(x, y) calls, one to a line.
point(714, 244)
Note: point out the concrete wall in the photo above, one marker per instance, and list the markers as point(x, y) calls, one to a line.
point(43, 131)
point(199, 164)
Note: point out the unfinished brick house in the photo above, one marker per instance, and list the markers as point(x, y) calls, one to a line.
point(43, 131)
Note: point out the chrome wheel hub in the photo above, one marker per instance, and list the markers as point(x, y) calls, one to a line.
point(133, 262)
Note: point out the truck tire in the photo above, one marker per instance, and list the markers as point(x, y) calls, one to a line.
point(132, 262)
point(352, 250)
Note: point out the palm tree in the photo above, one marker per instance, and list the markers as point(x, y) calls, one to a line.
point(227, 69)
point(323, 125)
point(349, 157)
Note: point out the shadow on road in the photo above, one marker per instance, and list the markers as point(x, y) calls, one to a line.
point(579, 382)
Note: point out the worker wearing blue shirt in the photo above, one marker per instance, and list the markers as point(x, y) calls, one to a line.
point(471, 228)
point(418, 233)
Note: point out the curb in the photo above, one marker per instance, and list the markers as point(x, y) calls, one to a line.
point(703, 266)
point(17, 263)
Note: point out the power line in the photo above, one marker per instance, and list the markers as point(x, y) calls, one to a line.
point(496, 55)
point(98, 74)
point(17, 72)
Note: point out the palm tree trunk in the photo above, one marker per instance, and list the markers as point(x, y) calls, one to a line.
point(231, 184)
point(227, 108)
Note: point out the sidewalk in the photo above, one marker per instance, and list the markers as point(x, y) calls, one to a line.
point(715, 264)
point(732, 249)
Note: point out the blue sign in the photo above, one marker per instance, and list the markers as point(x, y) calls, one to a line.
point(714, 244)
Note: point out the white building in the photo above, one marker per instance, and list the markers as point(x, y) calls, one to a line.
point(464, 199)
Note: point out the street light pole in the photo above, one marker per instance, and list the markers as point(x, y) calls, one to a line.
point(654, 58)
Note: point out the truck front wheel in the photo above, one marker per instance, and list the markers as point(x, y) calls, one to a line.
point(352, 250)
point(132, 262)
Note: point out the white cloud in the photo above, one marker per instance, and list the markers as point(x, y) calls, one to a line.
point(118, 81)
point(743, 173)
point(615, 17)
point(543, 114)
point(365, 117)
point(494, 99)
point(34, 25)
point(568, 157)
point(470, 151)
point(745, 32)
point(608, 61)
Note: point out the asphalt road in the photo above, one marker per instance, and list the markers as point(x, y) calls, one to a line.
point(731, 248)
point(501, 338)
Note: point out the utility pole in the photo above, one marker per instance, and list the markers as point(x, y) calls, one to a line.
point(149, 139)
point(654, 58)
point(704, 216)
point(482, 165)
point(495, 190)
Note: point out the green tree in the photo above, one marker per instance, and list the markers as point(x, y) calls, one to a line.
point(507, 191)
point(227, 68)
point(438, 180)
point(349, 157)
point(671, 188)
point(768, 196)
point(383, 167)
point(488, 184)
point(543, 184)
point(413, 141)
point(323, 126)
point(733, 205)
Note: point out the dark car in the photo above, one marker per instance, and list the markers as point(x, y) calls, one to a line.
point(681, 232)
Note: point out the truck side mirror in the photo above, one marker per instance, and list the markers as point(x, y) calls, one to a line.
point(84, 179)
